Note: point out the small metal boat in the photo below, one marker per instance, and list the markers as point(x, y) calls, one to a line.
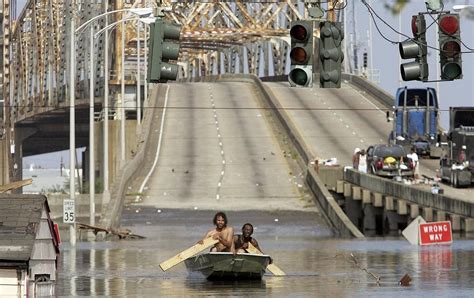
point(226, 265)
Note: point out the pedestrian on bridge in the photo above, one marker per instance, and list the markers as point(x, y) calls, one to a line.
point(362, 161)
point(355, 159)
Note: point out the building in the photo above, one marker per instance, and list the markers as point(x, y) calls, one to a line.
point(29, 246)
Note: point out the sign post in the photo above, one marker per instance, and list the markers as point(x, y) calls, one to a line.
point(436, 233)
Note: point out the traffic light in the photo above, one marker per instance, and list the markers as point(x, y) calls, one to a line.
point(330, 54)
point(365, 64)
point(415, 48)
point(163, 47)
point(301, 54)
point(449, 38)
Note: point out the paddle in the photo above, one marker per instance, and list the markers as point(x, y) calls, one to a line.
point(193, 250)
point(271, 267)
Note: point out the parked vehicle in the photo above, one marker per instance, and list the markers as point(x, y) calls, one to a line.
point(416, 118)
point(389, 161)
point(457, 165)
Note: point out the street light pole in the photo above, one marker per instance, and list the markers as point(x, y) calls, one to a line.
point(106, 193)
point(139, 112)
point(91, 132)
point(145, 83)
point(122, 108)
point(72, 128)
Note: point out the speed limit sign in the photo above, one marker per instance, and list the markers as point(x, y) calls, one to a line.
point(69, 212)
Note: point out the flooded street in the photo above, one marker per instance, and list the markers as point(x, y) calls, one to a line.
point(299, 242)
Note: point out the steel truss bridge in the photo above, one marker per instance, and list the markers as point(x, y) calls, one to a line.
point(217, 37)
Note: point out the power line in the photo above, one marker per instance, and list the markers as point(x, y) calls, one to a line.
point(372, 12)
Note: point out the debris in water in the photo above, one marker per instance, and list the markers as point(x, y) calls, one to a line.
point(405, 281)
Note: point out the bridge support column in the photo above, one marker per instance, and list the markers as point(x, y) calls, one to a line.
point(469, 225)
point(394, 222)
point(440, 215)
point(373, 220)
point(366, 196)
point(455, 222)
point(4, 161)
point(428, 214)
point(353, 209)
point(21, 134)
point(402, 207)
point(414, 210)
point(356, 193)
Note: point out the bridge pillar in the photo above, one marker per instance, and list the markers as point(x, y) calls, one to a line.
point(428, 214)
point(440, 215)
point(455, 222)
point(469, 225)
point(394, 221)
point(373, 220)
point(366, 196)
point(402, 207)
point(356, 193)
point(353, 209)
point(21, 134)
point(414, 210)
point(4, 161)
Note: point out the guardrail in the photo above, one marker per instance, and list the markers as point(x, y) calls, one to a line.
point(410, 193)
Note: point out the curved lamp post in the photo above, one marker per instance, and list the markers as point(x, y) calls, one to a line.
point(72, 145)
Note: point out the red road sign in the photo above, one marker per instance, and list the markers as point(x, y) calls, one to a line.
point(436, 233)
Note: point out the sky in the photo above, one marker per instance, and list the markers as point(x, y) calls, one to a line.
point(386, 56)
point(385, 59)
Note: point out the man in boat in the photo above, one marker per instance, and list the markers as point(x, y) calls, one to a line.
point(241, 242)
point(223, 233)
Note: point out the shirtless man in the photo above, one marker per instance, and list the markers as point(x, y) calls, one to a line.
point(223, 233)
point(241, 242)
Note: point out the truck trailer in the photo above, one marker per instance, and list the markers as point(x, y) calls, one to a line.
point(457, 163)
point(416, 121)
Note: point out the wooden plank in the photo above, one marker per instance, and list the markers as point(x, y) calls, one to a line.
point(15, 185)
point(193, 250)
point(274, 269)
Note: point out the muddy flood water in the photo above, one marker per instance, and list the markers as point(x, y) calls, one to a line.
point(317, 265)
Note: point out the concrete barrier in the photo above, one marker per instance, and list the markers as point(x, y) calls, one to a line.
point(423, 198)
point(111, 214)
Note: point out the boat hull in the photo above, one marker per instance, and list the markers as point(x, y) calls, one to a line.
point(225, 265)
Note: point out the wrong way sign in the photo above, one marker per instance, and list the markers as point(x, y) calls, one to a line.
point(436, 233)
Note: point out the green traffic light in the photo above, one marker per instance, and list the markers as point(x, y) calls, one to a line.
point(299, 76)
point(452, 71)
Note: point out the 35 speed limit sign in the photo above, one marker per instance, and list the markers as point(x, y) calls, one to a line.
point(69, 212)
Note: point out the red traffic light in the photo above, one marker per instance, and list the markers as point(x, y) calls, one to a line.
point(298, 55)
point(449, 24)
point(299, 33)
point(414, 27)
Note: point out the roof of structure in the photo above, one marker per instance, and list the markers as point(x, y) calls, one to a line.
point(20, 217)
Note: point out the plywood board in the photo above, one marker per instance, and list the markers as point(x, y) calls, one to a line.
point(193, 250)
point(274, 269)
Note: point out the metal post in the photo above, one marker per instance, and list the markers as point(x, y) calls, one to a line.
point(72, 141)
point(139, 108)
point(371, 53)
point(106, 193)
point(91, 131)
point(122, 108)
point(145, 84)
point(346, 60)
point(399, 41)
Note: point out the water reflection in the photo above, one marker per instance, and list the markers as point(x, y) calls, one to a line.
point(315, 265)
